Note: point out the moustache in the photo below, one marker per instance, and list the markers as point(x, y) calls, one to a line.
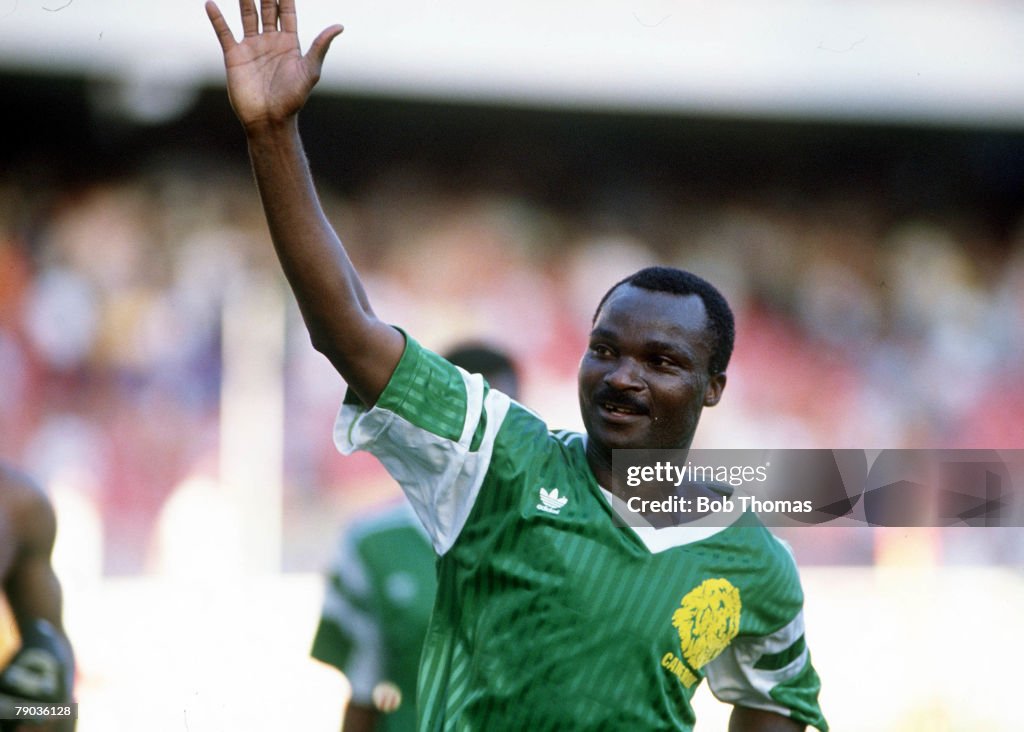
point(619, 399)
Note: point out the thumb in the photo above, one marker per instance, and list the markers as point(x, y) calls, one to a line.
point(318, 49)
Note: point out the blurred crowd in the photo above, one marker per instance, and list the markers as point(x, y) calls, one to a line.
point(855, 329)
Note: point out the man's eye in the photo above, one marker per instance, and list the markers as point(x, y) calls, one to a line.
point(600, 350)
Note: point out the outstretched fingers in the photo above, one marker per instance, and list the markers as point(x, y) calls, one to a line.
point(220, 26)
point(273, 12)
point(250, 19)
point(268, 9)
point(289, 21)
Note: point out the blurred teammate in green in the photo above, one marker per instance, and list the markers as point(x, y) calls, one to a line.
point(380, 591)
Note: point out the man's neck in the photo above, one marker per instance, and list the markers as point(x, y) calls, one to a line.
point(601, 465)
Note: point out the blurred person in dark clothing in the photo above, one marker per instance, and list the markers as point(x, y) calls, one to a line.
point(41, 671)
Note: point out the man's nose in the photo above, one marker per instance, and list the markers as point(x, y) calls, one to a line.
point(625, 374)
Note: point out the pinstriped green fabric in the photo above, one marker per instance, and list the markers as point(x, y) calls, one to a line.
point(793, 693)
point(564, 621)
point(551, 615)
point(429, 392)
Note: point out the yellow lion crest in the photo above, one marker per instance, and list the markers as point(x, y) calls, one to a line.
point(707, 620)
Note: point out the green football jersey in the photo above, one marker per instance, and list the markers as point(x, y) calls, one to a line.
point(380, 590)
point(551, 614)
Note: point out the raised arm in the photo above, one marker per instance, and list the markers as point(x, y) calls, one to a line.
point(269, 81)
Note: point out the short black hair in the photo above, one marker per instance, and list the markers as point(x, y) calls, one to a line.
point(680, 282)
point(480, 358)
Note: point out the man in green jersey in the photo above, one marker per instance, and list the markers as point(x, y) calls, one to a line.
point(550, 614)
point(381, 586)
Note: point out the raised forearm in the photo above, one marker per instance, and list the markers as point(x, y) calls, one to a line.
point(269, 80)
point(334, 305)
point(314, 261)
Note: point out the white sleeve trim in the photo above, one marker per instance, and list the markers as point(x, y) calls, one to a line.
point(734, 680)
point(440, 477)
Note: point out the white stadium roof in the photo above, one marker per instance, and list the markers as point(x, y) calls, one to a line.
point(935, 61)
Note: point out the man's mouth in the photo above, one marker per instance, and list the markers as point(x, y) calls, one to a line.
point(618, 408)
point(620, 411)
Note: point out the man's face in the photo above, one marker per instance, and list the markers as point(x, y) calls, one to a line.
point(643, 379)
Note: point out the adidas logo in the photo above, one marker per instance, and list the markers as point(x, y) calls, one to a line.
point(551, 502)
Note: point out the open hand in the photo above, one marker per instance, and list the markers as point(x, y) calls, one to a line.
point(268, 77)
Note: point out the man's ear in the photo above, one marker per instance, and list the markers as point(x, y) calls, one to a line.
point(713, 393)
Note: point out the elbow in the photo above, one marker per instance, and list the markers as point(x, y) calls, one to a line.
point(323, 344)
point(329, 348)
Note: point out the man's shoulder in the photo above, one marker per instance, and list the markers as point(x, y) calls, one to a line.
point(525, 436)
point(765, 559)
point(570, 439)
point(750, 533)
point(21, 494)
point(521, 422)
